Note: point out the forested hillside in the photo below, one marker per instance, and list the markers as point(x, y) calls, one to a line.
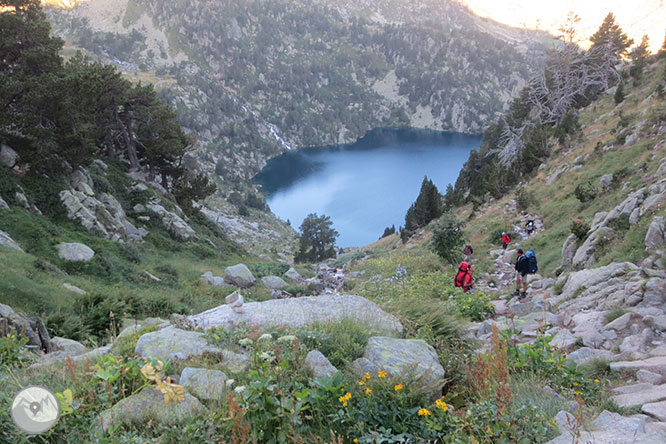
point(255, 77)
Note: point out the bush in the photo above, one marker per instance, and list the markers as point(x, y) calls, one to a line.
point(524, 199)
point(473, 306)
point(580, 228)
point(448, 238)
point(261, 269)
point(585, 192)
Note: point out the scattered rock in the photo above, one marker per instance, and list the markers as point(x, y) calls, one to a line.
point(293, 275)
point(148, 405)
point(613, 428)
point(3, 204)
point(8, 156)
point(656, 234)
point(203, 383)
point(586, 354)
point(319, 365)
point(75, 252)
point(656, 364)
point(70, 346)
point(299, 312)
point(273, 282)
point(216, 281)
point(649, 377)
point(239, 275)
point(7, 241)
point(235, 301)
point(173, 343)
point(73, 288)
point(637, 399)
point(235, 362)
point(404, 359)
point(173, 223)
point(606, 181)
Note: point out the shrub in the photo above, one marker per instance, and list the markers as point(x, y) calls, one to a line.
point(524, 199)
point(131, 252)
point(261, 269)
point(473, 306)
point(585, 192)
point(448, 238)
point(12, 352)
point(580, 229)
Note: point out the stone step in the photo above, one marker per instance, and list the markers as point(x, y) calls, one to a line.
point(656, 409)
point(640, 398)
point(655, 365)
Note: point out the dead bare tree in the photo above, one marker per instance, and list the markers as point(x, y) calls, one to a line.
point(571, 78)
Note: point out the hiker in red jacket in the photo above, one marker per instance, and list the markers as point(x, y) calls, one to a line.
point(465, 276)
point(468, 282)
point(505, 240)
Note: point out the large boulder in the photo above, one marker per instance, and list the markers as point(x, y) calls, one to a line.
point(59, 357)
point(173, 343)
point(273, 282)
point(149, 405)
point(293, 275)
point(68, 346)
point(656, 234)
point(3, 204)
point(585, 253)
point(203, 383)
point(8, 156)
point(299, 312)
point(239, 275)
point(71, 251)
point(7, 241)
point(32, 328)
point(406, 359)
point(320, 366)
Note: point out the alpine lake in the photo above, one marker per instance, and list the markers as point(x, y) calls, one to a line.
point(363, 186)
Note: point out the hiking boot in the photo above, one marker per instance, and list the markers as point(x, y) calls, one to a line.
point(523, 295)
point(515, 293)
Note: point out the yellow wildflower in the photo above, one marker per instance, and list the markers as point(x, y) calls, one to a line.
point(441, 405)
point(397, 387)
point(366, 376)
point(488, 431)
point(596, 380)
point(361, 382)
point(368, 391)
point(382, 374)
point(355, 439)
point(424, 412)
point(576, 392)
point(575, 384)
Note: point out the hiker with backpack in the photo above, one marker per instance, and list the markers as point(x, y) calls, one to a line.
point(525, 264)
point(465, 276)
point(505, 240)
point(530, 228)
point(468, 251)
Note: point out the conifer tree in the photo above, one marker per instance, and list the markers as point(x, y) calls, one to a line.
point(619, 93)
point(610, 33)
point(317, 239)
point(639, 56)
point(428, 206)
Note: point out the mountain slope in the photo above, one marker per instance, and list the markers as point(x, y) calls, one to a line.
point(254, 78)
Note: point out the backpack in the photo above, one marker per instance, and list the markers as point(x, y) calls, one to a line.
point(463, 270)
point(468, 250)
point(531, 262)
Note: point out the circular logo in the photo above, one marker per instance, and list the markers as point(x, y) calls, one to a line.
point(35, 410)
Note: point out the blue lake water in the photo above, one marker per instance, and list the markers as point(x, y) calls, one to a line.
point(365, 186)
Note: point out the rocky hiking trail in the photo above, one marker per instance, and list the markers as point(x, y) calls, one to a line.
point(574, 310)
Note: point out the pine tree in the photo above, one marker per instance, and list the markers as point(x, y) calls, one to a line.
point(610, 33)
point(639, 56)
point(619, 93)
point(428, 206)
point(317, 239)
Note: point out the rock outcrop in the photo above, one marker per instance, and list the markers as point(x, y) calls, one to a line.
point(7, 241)
point(172, 222)
point(32, 328)
point(273, 282)
point(299, 312)
point(408, 359)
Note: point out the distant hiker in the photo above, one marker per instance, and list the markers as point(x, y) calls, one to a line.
point(530, 228)
point(525, 264)
point(505, 240)
point(522, 269)
point(464, 278)
point(468, 251)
